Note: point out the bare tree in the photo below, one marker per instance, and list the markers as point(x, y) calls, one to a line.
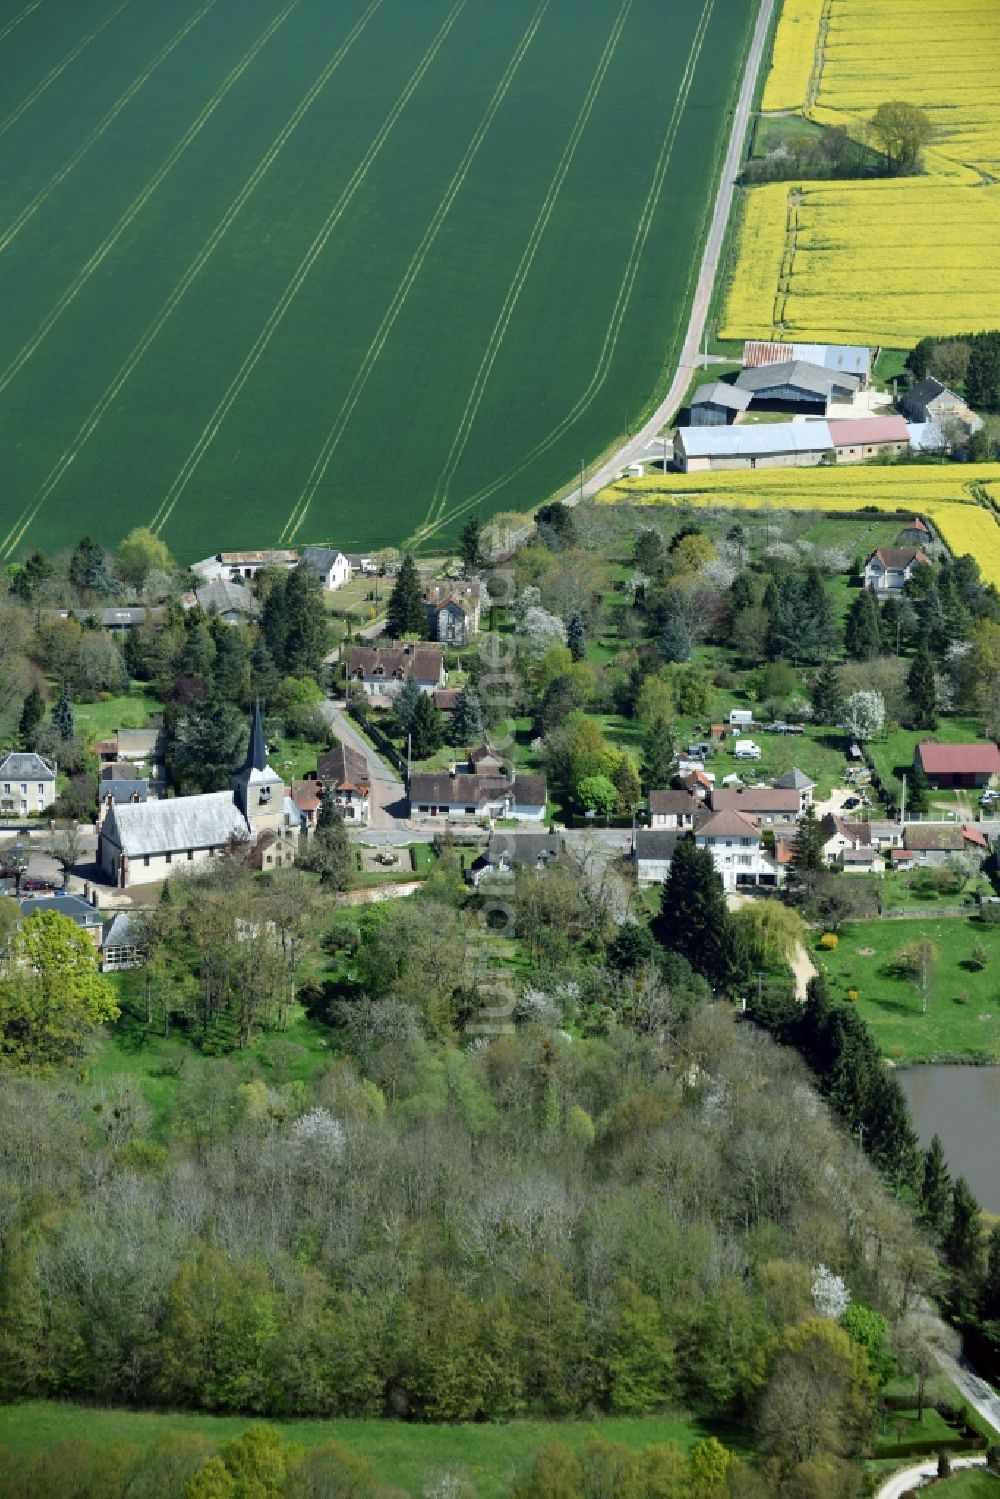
point(65, 846)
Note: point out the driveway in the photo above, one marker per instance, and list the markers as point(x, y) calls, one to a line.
point(388, 794)
point(912, 1478)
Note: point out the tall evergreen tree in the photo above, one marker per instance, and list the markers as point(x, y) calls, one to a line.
point(891, 626)
point(231, 667)
point(470, 543)
point(962, 1243)
point(862, 632)
point(657, 755)
point(826, 694)
point(32, 714)
point(917, 790)
point(989, 1301)
point(329, 851)
point(920, 686)
point(87, 565)
point(807, 849)
point(63, 717)
point(264, 675)
point(467, 717)
point(693, 919)
point(675, 640)
point(935, 1190)
point(404, 704)
point(426, 728)
point(576, 637)
point(305, 613)
point(406, 613)
point(818, 608)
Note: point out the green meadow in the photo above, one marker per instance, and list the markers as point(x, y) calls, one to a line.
point(287, 270)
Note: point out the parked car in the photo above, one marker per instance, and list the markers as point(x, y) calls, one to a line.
point(37, 887)
point(851, 803)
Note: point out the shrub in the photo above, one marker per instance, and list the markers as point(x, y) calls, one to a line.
point(829, 941)
point(852, 995)
point(962, 997)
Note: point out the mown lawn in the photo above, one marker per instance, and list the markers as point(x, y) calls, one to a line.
point(131, 711)
point(963, 1005)
point(404, 1454)
point(818, 751)
point(892, 757)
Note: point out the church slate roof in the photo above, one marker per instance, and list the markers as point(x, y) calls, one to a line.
point(175, 825)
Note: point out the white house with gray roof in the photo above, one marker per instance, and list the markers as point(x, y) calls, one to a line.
point(330, 565)
point(27, 784)
point(142, 842)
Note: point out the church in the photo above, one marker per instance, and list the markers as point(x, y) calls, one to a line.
point(142, 842)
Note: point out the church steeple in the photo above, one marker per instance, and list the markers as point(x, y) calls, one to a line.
point(257, 749)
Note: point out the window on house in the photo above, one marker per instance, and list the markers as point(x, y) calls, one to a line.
point(145, 860)
point(470, 811)
point(190, 855)
point(169, 858)
point(41, 788)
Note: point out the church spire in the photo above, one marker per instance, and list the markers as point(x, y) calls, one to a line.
point(257, 749)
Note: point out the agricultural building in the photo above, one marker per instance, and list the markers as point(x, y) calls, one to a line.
point(953, 766)
point(847, 359)
point(860, 439)
point(770, 445)
point(797, 383)
point(237, 565)
point(717, 404)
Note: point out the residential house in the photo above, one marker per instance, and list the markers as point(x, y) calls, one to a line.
point(27, 783)
point(886, 835)
point(118, 621)
point(307, 798)
point(343, 773)
point(275, 850)
point(86, 916)
point(507, 852)
point(139, 746)
point(840, 834)
point(231, 600)
point(766, 445)
point(717, 404)
point(938, 842)
point(845, 359)
point(330, 565)
point(797, 780)
point(698, 782)
point(236, 565)
point(916, 533)
point(653, 850)
point(888, 569)
point(769, 806)
point(484, 761)
point(453, 611)
point(735, 844)
point(142, 842)
point(673, 809)
point(863, 860)
point(957, 766)
point(862, 439)
point(797, 383)
point(460, 796)
point(382, 669)
point(931, 401)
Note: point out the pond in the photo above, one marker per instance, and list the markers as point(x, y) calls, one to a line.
point(962, 1106)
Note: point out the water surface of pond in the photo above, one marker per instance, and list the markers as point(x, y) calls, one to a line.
point(962, 1105)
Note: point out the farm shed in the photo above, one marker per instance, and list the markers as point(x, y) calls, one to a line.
point(953, 766)
point(860, 439)
point(718, 404)
point(797, 383)
point(850, 359)
point(770, 445)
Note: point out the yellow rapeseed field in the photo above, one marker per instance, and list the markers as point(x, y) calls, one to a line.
point(881, 262)
point(792, 60)
point(947, 495)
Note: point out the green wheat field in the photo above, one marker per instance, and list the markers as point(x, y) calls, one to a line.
point(301, 270)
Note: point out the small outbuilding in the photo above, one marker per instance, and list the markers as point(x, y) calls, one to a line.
point(957, 766)
point(860, 439)
point(717, 404)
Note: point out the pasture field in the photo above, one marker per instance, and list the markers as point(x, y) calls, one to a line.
point(854, 261)
point(286, 270)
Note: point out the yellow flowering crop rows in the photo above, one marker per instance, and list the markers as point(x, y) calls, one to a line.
point(881, 262)
point(945, 494)
point(792, 58)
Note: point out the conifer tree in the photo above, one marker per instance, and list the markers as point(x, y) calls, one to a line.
point(693, 919)
point(918, 789)
point(467, 717)
point(329, 851)
point(406, 613)
point(576, 637)
point(920, 686)
point(63, 717)
point(807, 850)
point(470, 543)
point(863, 633)
point(32, 714)
point(657, 755)
point(935, 1190)
point(426, 728)
point(826, 694)
point(962, 1243)
point(404, 704)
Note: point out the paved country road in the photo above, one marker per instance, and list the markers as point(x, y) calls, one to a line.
point(690, 359)
point(387, 789)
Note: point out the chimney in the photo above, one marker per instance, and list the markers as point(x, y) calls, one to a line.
point(94, 897)
point(86, 890)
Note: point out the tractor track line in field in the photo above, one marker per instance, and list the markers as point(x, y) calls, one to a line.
point(624, 297)
point(139, 202)
point(297, 518)
point(60, 67)
point(535, 238)
point(277, 314)
point(30, 209)
point(111, 391)
point(21, 16)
